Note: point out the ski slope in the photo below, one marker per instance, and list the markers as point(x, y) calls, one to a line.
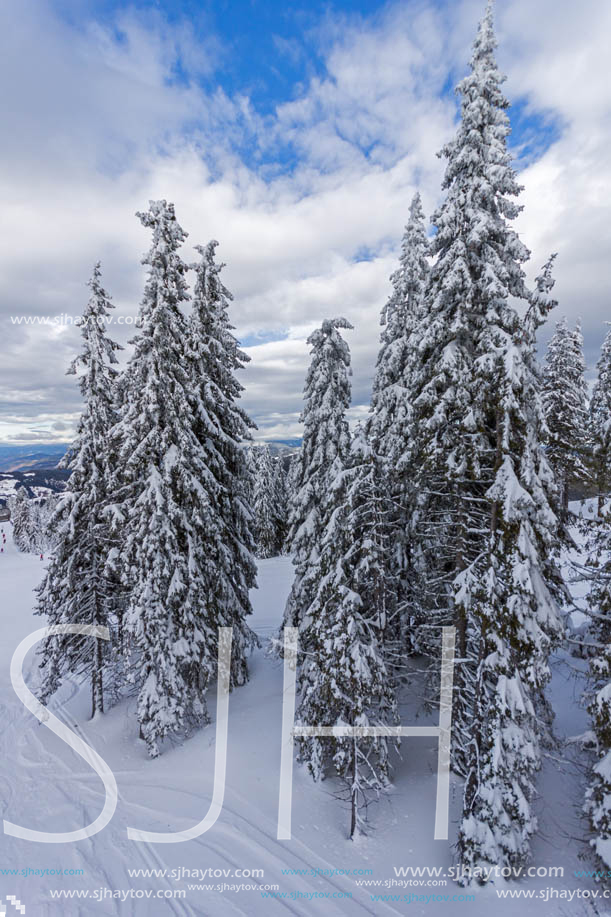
point(45, 786)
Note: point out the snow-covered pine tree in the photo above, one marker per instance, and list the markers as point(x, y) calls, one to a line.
point(221, 428)
point(477, 267)
point(164, 509)
point(323, 454)
point(600, 424)
point(598, 796)
point(470, 328)
point(390, 426)
point(514, 590)
point(24, 531)
point(250, 472)
point(389, 423)
point(280, 502)
point(343, 677)
point(292, 486)
point(565, 402)
point(263, 502)
point(42, 510)
point(371, 521)
point(75, 589)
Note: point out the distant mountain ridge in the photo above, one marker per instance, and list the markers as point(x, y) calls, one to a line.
point(39, 457)
point(291, 443)
point(46, 456)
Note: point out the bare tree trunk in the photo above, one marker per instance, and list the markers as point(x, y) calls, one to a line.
point(565, 497)
point(460, 564)
point(498, 461)
point(97, 682)
point(97, 663)
point(354, 796)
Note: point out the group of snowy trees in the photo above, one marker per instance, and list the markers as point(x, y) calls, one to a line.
point(579, 447)
point(566, 411)
point(31, 518)
point(578, 444)
point(342, 598)
point(268, 491)
point(154, 536)
point(443, 509)
point(448, 506)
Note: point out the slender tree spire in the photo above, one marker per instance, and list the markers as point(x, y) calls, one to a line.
point(76, 587)
point(221, 426)
point(323, 454)
point(565, 403)
point(600, 423)
point(388, 426)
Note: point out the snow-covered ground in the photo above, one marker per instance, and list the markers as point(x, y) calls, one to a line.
point(45, 786)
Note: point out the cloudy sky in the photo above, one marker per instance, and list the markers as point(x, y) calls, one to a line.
point(296, 136)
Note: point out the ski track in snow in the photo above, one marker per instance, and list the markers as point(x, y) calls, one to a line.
point(44, 785)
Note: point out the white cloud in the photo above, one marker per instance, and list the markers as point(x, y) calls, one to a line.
point(563, 69)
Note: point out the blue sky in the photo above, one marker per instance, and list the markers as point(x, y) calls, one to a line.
point(269, 52)
point(268, 48)
point(296, 136)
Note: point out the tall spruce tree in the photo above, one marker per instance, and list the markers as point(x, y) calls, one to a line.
point(323, 454)
point(600, 424)
point(514, 593)
point(264, 502)
point(343, 676)
point(477, 268)
point(165, 501)
point(76, 588)
point(565, 402)
point(221, 427)
point(371, 522)
point(598, 796)
point(486, 526)
point(390, 426)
